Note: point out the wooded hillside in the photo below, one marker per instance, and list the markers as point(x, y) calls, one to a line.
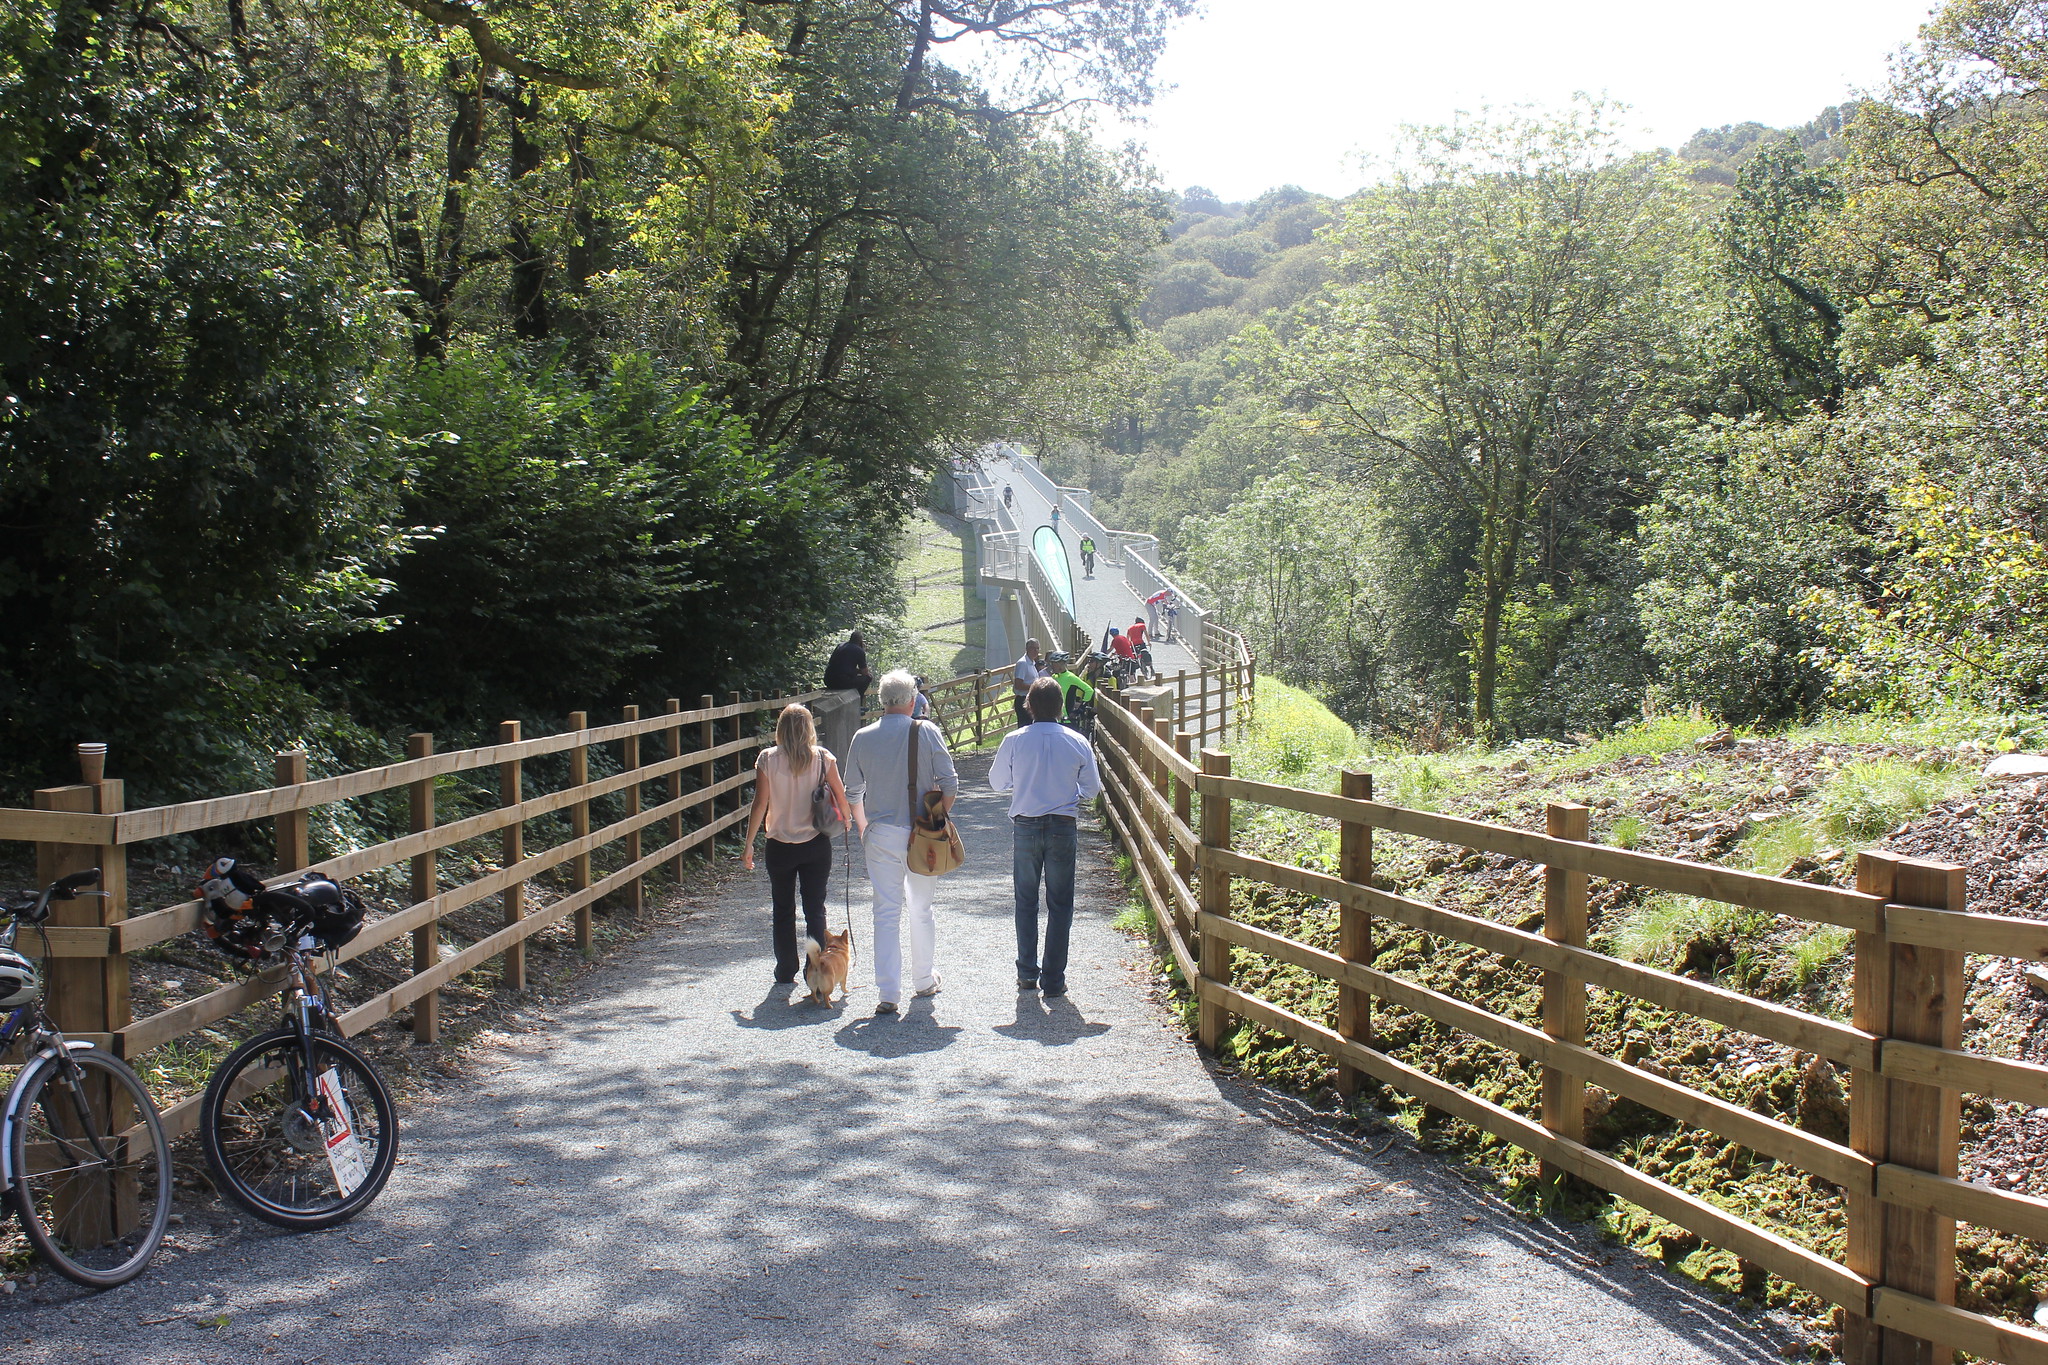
point(1539, 427)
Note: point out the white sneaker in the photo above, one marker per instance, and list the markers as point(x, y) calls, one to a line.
point(931, 990)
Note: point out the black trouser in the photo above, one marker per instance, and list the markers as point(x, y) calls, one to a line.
point(786, 863)
point(1088, 561)
point(1023, 711)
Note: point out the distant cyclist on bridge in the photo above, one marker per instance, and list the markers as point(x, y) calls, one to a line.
point(1088, 555)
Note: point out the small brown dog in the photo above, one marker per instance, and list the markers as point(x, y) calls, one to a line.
point(826, 968)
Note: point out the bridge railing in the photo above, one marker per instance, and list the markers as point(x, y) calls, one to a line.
point(678, 780)
point(1174, 806)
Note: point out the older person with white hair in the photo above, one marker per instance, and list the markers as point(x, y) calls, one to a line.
point(885, 762)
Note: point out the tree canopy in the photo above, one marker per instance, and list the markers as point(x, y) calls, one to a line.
point(396, 362)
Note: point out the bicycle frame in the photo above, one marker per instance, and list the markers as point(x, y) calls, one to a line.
point(40, 1038)
point(306, 1014)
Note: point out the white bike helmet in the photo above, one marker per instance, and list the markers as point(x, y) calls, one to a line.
point(20, 982)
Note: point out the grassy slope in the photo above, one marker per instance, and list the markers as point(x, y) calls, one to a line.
point(941, 633)
point(1800, 803)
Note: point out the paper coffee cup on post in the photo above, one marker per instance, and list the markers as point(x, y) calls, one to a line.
point(92, 763)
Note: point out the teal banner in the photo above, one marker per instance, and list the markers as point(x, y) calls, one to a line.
point(1052, 557)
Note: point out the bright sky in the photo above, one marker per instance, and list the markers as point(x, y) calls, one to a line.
point(1271, 93)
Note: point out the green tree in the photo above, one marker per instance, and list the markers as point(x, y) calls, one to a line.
point(1501, 326)
point(193, 499)
point(1746, 529)
point(1289, 564)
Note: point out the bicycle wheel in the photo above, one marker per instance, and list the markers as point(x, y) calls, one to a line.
point(273, 1158)
point(92, 1168)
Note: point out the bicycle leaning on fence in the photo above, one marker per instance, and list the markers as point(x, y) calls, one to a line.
point(82, 1149)
point(297, 1125)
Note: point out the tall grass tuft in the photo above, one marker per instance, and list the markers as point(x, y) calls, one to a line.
point(1675, 931)
point(1868, 800)
point(1657, 735)
point(1809, 957)
point(1776, 844)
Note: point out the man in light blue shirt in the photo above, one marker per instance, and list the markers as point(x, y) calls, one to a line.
point(1049, 770)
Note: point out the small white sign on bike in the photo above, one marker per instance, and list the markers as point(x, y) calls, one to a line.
point(344, 1152)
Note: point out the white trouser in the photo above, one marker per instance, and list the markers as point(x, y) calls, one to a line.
point(898, 889)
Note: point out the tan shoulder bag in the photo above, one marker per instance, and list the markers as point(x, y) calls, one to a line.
point(935, 847)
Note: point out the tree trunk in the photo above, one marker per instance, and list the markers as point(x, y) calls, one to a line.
point(527, 297)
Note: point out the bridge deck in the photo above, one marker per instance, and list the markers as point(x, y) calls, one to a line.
point(1101, 601)
point(684, 1165)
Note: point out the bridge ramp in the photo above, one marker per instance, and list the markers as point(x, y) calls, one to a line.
point(1102, 601)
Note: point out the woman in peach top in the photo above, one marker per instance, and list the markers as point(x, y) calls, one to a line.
point(784, 779)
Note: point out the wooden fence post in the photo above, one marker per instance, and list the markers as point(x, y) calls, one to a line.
point(1923, 1123)
point(86, 994)
point(1869, 1110)
point(579, 827)
point(1215, 964)
point(707, 771)
point(293, 851)
point(733, 763)
point(1184, 811)
point(1564, 997)
point(675, 788)
point(1354, 926)
point(980, 696)
point(1180, 699)
point(636, 895)
point(89, 995)
point(512, 852)
point(1154, 775)
point(426, 940)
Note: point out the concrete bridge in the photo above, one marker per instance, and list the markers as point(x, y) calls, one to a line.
point(1023, 591)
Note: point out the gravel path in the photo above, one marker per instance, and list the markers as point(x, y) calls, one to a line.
point(686, 1165)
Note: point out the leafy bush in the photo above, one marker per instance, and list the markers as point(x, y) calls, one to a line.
point(589, 542)
point(1295, 734)
point(1734, 549)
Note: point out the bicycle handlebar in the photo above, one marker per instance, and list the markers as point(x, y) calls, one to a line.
point(34, 906)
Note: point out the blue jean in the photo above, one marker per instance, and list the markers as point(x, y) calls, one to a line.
point(1043, 850)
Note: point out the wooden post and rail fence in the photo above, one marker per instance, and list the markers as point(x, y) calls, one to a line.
point(1171, 803)
point(976, 708)
point(699, 790)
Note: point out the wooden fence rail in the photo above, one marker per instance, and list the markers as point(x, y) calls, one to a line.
point(977, 708)
point(1902, 1045)
point(699, 783)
